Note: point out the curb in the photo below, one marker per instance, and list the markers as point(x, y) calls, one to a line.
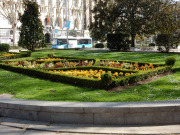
point(96, 113)
point(87, 128)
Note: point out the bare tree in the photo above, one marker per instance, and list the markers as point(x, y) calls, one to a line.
point(77, 13)
point(9, 9)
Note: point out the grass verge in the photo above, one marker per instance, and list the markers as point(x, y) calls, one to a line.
point(26, 87)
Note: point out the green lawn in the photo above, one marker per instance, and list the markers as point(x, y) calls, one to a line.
point(27, 87)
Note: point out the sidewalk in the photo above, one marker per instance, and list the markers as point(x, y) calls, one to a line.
point(17, 50)
point(27, 127)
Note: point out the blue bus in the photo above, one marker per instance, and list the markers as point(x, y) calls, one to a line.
point(74, 42)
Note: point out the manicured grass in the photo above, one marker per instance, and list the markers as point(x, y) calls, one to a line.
point(27, 87)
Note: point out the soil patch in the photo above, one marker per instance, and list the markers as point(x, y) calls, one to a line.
point(145, 81)
point(6, 96)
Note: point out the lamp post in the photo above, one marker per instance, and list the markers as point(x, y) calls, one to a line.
point(66, 23)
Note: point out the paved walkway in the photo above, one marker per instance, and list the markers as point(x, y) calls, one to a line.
point(11, 126)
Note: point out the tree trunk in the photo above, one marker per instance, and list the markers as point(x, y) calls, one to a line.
point(14, 34)
point(132, 40)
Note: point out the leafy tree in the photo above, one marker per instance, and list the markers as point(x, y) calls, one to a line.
point(168, 20)
point(73, 33)
point(118, 42)
point(105, 20)
point(126, 16)
point(168, 23)
point(31, 35)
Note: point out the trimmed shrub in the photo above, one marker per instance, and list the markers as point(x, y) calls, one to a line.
point(152, 44)
point(118, 42)
point(50, 55)
point(29, 53)
point(106, 79)
point(170, 61)
point(4, 47)
point(99, 45)
point(166, 41)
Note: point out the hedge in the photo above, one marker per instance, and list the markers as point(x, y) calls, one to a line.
point(141, 75)
point(88, 82)
point(4, 47)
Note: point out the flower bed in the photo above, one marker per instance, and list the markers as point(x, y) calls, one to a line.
point(61, 64)
point(49, 59)
point(86, 72)
point(125, 65)
point(90, 73)
point(6, 54)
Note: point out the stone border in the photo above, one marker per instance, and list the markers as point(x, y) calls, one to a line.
point(97, 113)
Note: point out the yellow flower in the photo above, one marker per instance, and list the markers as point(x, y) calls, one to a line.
point(121, 73)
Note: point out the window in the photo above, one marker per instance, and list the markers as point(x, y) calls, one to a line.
point(57, 23)
point(50, 2)
point(76, 24)
point(4, 5)
point(75, 3)
point(64, 3)
point(51, 10)
point(57, 2)
point(9, 22)
point(42, 1)
point(11, 32)
point(84, 41)
point(46, 21)
point(61, 41)
point(51, 20)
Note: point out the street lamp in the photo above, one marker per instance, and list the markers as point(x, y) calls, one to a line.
point(66, 23)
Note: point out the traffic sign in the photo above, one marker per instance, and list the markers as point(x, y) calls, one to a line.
point(68, 24)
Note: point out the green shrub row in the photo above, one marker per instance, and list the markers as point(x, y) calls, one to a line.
point(152, 44)
point(66, 57)
point(97, 62)
point(17, 55)
point(4, 47)
point(88, 82)
point(11, 56)
point(140, 76)
point(99, 45)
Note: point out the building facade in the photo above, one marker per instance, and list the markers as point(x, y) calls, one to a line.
point(54, 14)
